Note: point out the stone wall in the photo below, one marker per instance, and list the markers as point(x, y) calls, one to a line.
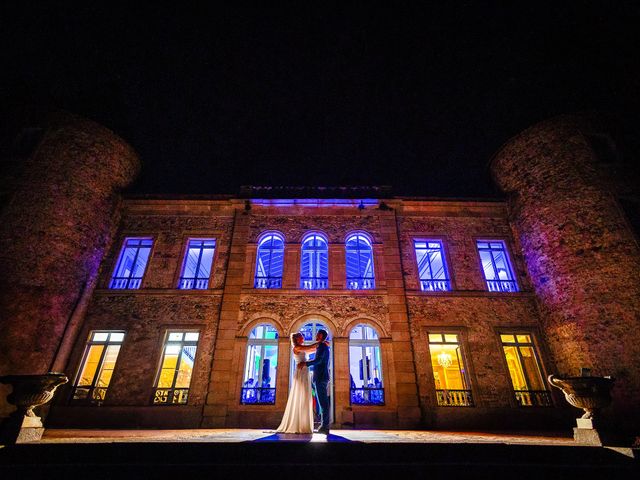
point(583, 259)
point(53, 234)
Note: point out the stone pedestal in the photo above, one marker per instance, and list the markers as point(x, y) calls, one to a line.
point(586, 433)
point(21, 429)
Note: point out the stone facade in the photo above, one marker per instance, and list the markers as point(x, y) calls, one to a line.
point(574, 258)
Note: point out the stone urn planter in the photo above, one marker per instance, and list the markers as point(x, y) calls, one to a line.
point(29, 391)
point(591, 394)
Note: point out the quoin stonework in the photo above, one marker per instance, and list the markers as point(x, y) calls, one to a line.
point(175, 312)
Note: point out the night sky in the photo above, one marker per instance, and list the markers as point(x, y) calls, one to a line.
point(415, 98)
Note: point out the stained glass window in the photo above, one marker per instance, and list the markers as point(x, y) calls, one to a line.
point(432, 266)
point(269, 262)
point(261, 366)
point(96, 369)
point(365, 366)
point(314, 267)
point(176, 368)
point(359, 263)
point(132, 263)
point(496, 266)
point(196, 268)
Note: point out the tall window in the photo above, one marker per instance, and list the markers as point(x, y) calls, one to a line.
point(524, 369)
point(176, 368)
point(259, 383)
point(365, 366)
point(314, 268)
point(269, 262)
point(496, 266)
point(449, 373)
point(432, 266)
point(359, 260)
point(132, 263)
point(196, 268)
point(96, 369)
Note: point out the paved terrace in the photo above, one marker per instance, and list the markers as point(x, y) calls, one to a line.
point(353, 454)
point(246, 435)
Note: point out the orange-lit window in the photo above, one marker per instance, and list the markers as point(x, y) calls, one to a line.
point(525, 370)
point(96, 369)
point(449, 372)
point(176, 368)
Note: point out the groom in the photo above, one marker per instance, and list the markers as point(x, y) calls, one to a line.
point(320, 366)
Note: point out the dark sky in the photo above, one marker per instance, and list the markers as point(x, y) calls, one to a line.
point(414, 98)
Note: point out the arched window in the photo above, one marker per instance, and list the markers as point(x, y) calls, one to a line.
point(365, 366)
point(269, 262)
point(314, 267)
point(359, 259)
point(259, 381)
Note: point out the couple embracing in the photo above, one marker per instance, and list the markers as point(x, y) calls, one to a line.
point(298, 415)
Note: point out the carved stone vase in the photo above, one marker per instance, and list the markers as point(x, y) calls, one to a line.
point(29, 391)
point(591, 394)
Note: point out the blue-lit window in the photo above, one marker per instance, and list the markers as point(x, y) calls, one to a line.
point(359, 260)
point(365, 366)
point(132, 263)
point(314, 268)
point(261, 367)
point(432, 266)
point(269, 262)
point(496, 266)
point(197, 264)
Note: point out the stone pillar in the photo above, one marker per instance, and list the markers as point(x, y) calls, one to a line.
point(581, 255)
point(54, 232)
point(222, 383)
point(406, 387)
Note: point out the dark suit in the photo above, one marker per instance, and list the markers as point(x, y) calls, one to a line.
point(320, 366)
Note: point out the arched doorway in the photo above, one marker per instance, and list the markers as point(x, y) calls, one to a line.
point(309, 330)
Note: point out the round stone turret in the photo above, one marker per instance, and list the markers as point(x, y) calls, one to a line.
point(56, 224)
point(582, 256)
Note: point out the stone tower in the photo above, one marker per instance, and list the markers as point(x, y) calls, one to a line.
point(580, 251)
point(56, 223)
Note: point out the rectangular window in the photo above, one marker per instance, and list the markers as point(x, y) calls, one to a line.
point(496, 266)
point(176, 369)
point(432, 266)
point(132, 263)
point(96, 369)
point(449, 373)
point(524, 369)
point(196, 268)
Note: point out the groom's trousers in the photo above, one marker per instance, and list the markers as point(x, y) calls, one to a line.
point(322, 393)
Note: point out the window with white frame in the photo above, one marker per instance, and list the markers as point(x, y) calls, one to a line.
point(98, 362)
point(261, 367)
point(496, 266)
point(132, 263)
point(365, 366)
point(449, 371)
point(196, 268)
point(176, 368)
point(432, 266)
point(359, 263)
point(269, 262)
point(314, 263)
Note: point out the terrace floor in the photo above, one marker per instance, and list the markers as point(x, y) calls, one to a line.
point(263, 454)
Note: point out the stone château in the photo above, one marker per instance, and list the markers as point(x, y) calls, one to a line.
point(175, 312)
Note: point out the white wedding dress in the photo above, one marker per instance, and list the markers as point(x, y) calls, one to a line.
point(298, 416)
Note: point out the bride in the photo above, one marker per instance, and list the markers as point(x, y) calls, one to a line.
point(298, 415)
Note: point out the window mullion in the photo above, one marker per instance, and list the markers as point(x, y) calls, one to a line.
point(133, 266)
